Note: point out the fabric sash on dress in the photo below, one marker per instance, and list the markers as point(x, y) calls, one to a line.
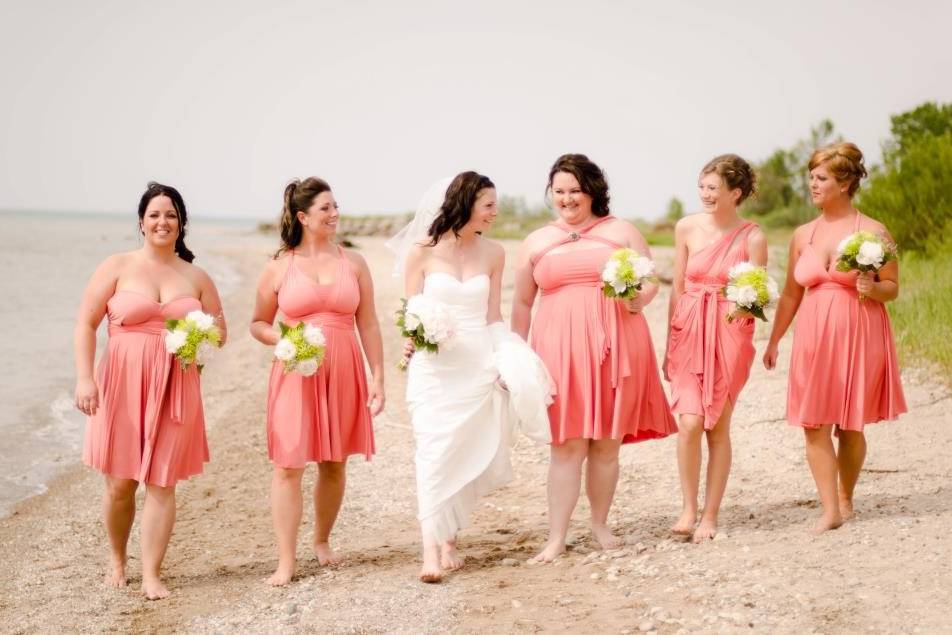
point(326, 319)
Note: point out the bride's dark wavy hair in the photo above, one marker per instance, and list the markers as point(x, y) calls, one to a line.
point(458, 204)
point(154, 189)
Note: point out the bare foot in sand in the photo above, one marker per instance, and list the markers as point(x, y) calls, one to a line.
point(281, 576)
point(116, 574)
point(326, 556)
point(685, 524)
point(826, 523)
point(450, 558)
point(605, 537)
point(706, 530)
point(153, 589)
point(846, 508)
point(553, 549)
point(431, 571)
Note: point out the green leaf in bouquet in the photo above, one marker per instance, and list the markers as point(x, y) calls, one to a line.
point(284, 328)
point(172, 324)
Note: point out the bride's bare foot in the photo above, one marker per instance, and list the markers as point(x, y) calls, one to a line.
point(553, 549)
point(431, 571)
point(706, 530)
point(282, 575)
point(326, 556)
point(450, 558)
point(826, 522)
point(605, 537)
point(153, 589)
point(116, 574)
point(685, 524)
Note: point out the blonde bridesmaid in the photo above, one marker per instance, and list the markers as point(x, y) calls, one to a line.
point(598, 350)
point(326, 417)
point(146, 423)
point(708, 359)
point(843, 368)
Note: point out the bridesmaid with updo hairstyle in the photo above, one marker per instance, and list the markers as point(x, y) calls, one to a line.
point(325, 417)
point(146, 423)
point(843, 368)
point(708, 358)
point(597, 349)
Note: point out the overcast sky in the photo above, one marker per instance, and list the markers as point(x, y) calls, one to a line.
point(229, 100)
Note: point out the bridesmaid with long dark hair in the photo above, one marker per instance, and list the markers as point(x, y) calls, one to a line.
point(325, 417)
point(843, 369)
point(146, 423)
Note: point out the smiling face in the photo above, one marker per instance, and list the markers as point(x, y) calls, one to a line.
point(572, 204)
point(160, 223)
point(824, 188)
point(484, 211)
point(714, 195)
point(322, 216)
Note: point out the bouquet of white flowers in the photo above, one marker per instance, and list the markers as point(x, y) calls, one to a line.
point(864, 252)
point(428, 322)
point(625, 273)
point(751, 289)
point(193, 339)
point(301, 348)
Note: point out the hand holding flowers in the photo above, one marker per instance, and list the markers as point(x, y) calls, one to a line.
point(301, 348)
point(192, 340)
point(427, 323)
point(625, 273)
point(865, 252)
point(750, 289)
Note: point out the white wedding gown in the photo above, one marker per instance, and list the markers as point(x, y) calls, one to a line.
point(461, 419)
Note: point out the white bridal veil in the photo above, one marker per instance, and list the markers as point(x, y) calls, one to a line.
point(415, 231)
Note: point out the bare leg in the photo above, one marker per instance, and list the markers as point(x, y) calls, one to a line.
point(328, 495)
point(431, 571)
point(286, 506)
point(690, 430)
point(849, 458)
point(718, 469)
point(822, 460)
point(601, 478)
point(564, 485)
point(118, 510)
point(450, 558)
point(158, 518)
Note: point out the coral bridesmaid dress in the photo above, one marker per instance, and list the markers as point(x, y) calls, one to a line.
point(323, 417)
point(709, 359)
point(599, 354)
point(150, 426)
point(843, 368)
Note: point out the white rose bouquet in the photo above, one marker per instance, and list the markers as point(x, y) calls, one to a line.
point(428, 322)
point(193, 340)
point(864, 252)
point(625, 273)
point(301, 348)
point(751, 289)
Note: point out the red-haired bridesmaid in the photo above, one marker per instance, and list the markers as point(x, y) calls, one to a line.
point(708, 359)
point(598, 350)
point(146, 423)
point(843, 369)
point(324, 417)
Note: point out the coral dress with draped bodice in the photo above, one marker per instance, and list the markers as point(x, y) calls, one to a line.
point(599, 354)
point(150, 426)
point(843, 368)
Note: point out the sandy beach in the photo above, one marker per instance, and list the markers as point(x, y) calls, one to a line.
point(885, 571)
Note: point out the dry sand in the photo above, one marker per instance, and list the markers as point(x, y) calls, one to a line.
point(886, 571)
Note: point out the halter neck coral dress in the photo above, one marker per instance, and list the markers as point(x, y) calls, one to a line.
point(709, 359)
point(150, 426)
point(599, 355)
point(323, 417)
point(843, 368)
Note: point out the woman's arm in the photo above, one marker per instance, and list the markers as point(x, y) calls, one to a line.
point(92, 309)
point(649, 290)
point(211, 302)
point(370, 338)
point(787, 307)
point(524, 295)
point(266, 306)
point(681, 231)
point(886, 288)
point(494, 310)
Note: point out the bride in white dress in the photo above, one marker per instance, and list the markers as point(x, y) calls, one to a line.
point(461, 411)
